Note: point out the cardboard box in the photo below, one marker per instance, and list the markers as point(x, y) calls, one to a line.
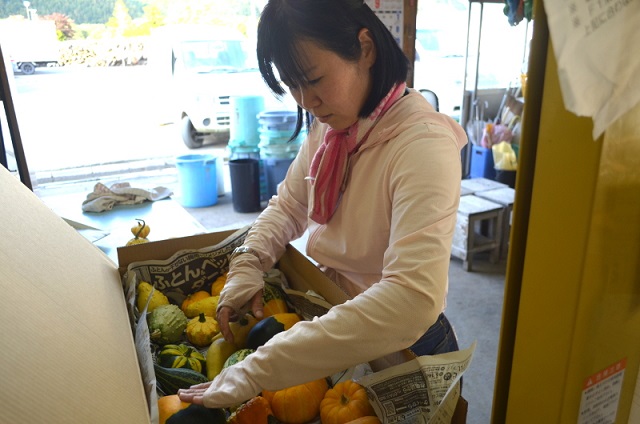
point(68, 353)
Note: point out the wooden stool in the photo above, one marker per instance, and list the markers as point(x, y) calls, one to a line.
point(505, 197)
point(476, 185)
point(467, 238)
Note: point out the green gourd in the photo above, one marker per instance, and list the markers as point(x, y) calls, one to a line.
point(167, 324)
point(236, 357)
point(171, 380)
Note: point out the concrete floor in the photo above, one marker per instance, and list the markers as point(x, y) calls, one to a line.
point(474, 302)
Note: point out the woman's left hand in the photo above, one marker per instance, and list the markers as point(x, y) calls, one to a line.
point(194, 394)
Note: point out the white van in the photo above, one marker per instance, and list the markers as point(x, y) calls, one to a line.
point(209, 66)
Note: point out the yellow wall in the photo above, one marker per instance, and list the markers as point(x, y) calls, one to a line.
point(575, 277)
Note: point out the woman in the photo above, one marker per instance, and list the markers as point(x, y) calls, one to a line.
point(376, 184)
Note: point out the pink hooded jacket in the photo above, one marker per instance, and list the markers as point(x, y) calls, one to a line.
point(388, 246)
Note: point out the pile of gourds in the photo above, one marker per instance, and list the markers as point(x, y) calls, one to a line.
point(191, 350)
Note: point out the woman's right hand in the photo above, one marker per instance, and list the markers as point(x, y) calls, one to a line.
point(241, 293)
point(226, 314)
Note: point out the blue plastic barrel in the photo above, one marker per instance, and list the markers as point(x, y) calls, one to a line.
point(278, 120)
point(243, 122)
point(198, 179)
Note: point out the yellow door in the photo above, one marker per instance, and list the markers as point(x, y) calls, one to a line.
point(570, 340)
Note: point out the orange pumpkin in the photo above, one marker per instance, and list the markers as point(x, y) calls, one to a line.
point(366, 420)
point(218, 284)
point(194, 297)
point(297, 404)
point(255, 411)
point(345, 402)
point(169, 405)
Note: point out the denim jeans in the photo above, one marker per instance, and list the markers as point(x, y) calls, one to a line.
point(439, 338)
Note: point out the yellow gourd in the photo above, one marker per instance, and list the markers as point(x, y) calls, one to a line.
point(201, 330)
point(217, 354)
point(207, 306)
point(158, 298)
point(192, 298)
point(140, 233)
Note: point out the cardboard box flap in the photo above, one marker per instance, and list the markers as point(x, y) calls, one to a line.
point(67, 352)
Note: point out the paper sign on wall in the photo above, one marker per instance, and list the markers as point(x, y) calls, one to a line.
point(390, 12)
point(601, 395)
point(595, 44)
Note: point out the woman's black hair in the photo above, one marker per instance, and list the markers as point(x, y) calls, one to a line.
point(334, 25)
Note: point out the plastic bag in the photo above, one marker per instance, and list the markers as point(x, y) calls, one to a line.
point(494, 134)
point(504, 157)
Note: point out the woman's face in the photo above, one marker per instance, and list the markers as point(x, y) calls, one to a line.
point(336, 89)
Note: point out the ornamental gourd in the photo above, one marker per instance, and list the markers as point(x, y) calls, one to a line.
point(345, 402)
point(241, 328)
point(208, 306)
point(274, 300)
point(202, 329)
point(192, 298)
point(217, 354)
point(297, 404)
point(140, 233)
point(182, 356)
point(255, 411)
point(143, 291)
point(167, 324)
point(170, 380)
point(218, 285)
point(268, 327)
point(237, 356)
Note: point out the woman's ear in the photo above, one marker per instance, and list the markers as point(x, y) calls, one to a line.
point(368, 47)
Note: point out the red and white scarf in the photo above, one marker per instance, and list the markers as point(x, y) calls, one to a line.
point(330, 165)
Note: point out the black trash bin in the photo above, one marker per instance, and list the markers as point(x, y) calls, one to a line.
point(245, 184)
point(506, 177)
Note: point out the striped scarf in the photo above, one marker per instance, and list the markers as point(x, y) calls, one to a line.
point(330, 165)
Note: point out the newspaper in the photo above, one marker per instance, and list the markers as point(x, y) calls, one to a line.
point(423, 390)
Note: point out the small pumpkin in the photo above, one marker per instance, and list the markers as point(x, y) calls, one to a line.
point(182, 356)
point(169, 405)
point(141, 230)
point(202, 329)
point(345, 402)
point(192, 298)
point(297, 404)
point(198, 414)
point(218, 285)
point(255, 411)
